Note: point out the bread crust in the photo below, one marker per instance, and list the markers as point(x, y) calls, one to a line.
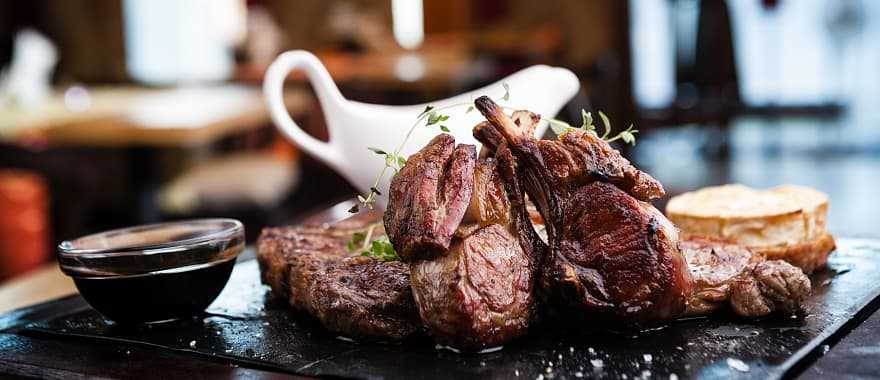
point(786, 222)
point(808, 255)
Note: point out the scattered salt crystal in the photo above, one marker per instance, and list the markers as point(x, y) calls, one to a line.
point(540, 377)
point(737, 364)
point(127, 352)
point(591, 350)
point(578, 374)
point(648, 358)
point(825, 349)
point(571, 349)
point(680, 348)
point(482, 364)
point(548, 369)
point(623, 376)
point(192, 344)
point(673, 376)
point(646, 374)
point(516, 372)
point(598, 363)
point(560, 356)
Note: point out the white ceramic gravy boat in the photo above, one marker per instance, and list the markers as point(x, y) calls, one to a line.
point(354, 126)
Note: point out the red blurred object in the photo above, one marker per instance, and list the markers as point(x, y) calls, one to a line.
point(24, 229)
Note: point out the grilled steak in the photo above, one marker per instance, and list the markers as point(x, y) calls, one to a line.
point(429, 198)
point(729, 275)
point(478, 293)
point(611, 255)
point(355, 296)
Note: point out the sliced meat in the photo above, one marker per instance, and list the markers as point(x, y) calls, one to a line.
point(574, 159)
point(311, 268)
point(358, 297)
point(714, 265)
point(479, 293)
point(773, 286)
point(730, 276)
point(428, 198)
point(611, 255)
point(278, 249)
point(616, 258)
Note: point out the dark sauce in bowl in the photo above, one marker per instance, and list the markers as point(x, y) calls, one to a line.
point(155, 272)
point(155, 297)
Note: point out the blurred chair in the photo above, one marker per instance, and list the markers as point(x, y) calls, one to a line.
point(24, 235)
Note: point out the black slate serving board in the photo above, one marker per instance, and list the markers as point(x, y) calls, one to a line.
point(246, 327)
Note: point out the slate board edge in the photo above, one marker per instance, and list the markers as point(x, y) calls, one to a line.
point(36, 331)
point(807, 355)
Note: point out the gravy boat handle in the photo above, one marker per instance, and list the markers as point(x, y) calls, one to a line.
point(324, 87)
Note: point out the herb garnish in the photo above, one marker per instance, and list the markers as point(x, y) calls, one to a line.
point(560, 128)
point(433, 116)
point(394, 161)
point(380, 248)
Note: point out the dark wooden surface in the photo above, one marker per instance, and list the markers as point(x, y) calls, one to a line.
point(850, 355)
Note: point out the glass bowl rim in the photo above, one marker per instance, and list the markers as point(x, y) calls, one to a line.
point(67, 248)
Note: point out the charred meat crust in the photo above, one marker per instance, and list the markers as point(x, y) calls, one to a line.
point(614, 260)
point(480, 293)
point(574, 159)
point(428, 198)
point(611, 256)
point(730, 276)
point(310, 267)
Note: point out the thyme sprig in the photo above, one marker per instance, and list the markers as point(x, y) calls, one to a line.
point(628, 135)
point(380, 248)
point(434, 116)
point(394, 161)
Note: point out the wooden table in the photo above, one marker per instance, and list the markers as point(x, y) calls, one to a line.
point(139, 116)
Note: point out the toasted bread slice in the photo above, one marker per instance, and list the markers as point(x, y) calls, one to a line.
point(785, 222)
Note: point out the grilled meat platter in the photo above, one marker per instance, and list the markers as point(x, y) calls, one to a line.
point(477, 246)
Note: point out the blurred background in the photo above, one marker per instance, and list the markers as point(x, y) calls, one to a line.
point(121, 112)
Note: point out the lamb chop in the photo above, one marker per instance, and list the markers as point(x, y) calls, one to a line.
point(729, 275)
point(311, 268)
point(612, 256)
point(478, 293)
point(428, 198)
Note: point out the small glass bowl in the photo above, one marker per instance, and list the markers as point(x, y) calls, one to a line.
point(154, 272)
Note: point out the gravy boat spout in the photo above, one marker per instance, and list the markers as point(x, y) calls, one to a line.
point(355, 126)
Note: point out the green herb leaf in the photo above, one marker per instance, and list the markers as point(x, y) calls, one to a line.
point(560, 127)
point(381, 249)
point(356, 242)
point(607, 124)
point(629, 135)
point(506, 96)
point(444, 128)
point(377, 151)
point(354, 209)
point(401, 161)
point(375, 191)
point(469, 109)
point(434, 118)
point(586, 120)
